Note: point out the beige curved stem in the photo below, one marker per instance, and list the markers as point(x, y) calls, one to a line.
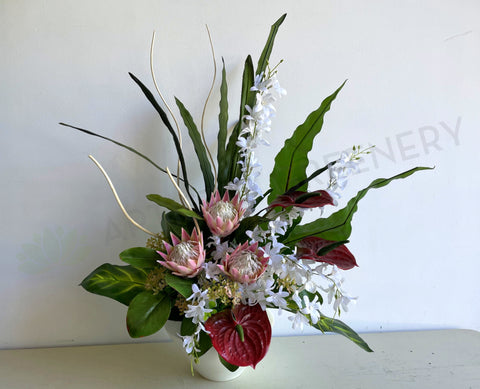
point(118, 199)
point(205, 106)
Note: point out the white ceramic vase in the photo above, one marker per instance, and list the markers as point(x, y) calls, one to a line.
point(209, 365)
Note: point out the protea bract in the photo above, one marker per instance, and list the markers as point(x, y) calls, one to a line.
point(186, 256)
point(245, 264)
point(222, 214)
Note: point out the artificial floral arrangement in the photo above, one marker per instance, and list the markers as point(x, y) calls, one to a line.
point(226, 254)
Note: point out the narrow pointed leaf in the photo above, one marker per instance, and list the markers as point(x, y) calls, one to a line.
point(172, 205)
point(147, 313)
point(165, 121)
point(142, 257)
point(292, 161)
point(121, 283)
point(226, 339)
point(267, 50)
point(327, 324)
point(115, 142)
point(222, 161)
point(200, 149)
point(338, 226)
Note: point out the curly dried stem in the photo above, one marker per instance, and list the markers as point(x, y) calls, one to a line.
point(118, 199)
point(205, 106)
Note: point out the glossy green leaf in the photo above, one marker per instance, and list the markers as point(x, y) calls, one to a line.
point(147, 313)
point(222, 162)
point(172, 205)
point(165, 121)
point(143, 257)
point(181, 285)
point(121, 283)
point(267, 50)
point(199, 147)
point(173, 222)
point(327, 324)
point(338, 227)
point(292, 161)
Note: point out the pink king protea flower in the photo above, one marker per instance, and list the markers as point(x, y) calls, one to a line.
point(245, 264)
point(222, 215)
point(186, 256)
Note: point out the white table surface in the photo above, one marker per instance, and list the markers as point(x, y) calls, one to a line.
point(424, 359)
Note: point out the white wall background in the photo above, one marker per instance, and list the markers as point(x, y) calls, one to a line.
point(413, 90)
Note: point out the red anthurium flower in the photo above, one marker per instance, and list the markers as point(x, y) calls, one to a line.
point(309, 248)
point(318, 198)
point(240, 335)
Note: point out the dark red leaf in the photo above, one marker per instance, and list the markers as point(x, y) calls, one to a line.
point(341, 256)
point(318, 198)
point(226, 339)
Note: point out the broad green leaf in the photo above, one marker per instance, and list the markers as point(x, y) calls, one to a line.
point(181, 285)
point(267, 50)
point(172, 205)
point(200, 149)
point(223, 163)
point(165, 121)
point(142, 257)
point(173, 222)
point(232, 155)
point(121, 283)
point(292, 161)
point(189, 328)
point(147, 313)
point(327, 324)
point(338, 226)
